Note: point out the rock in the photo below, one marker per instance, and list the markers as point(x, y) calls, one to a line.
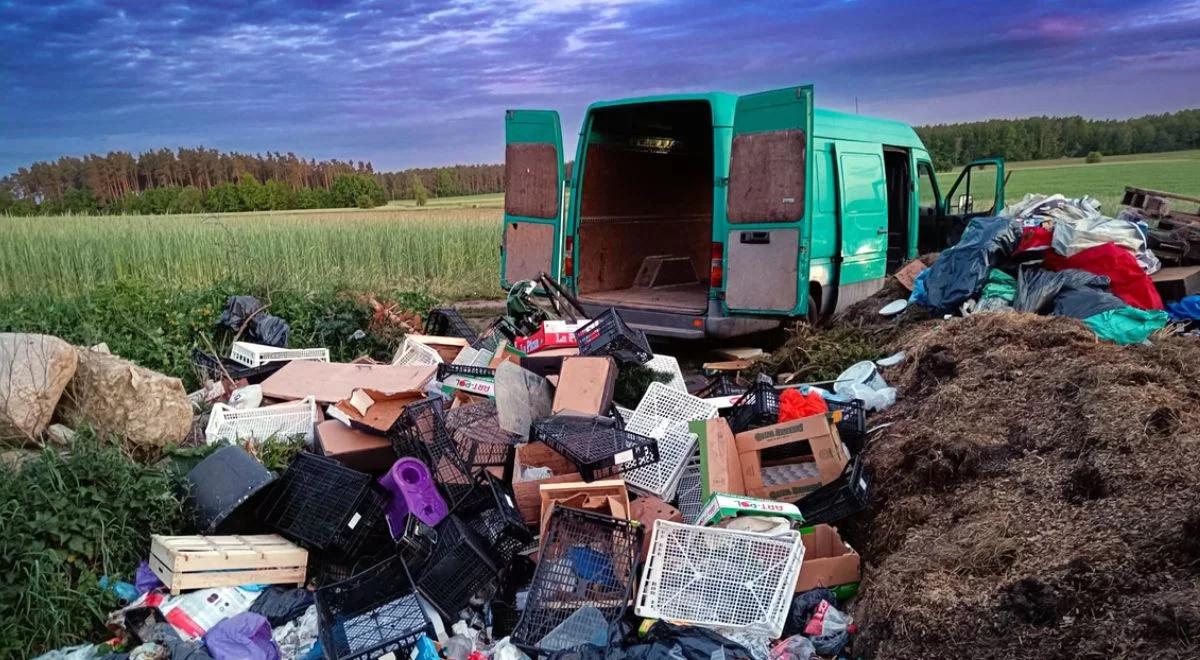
point(116, 396)
point(34, 370)
point(60, 434)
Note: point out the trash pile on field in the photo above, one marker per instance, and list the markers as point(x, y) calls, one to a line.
point(992, 457)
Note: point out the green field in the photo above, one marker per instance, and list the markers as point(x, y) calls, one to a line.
point(449, 248)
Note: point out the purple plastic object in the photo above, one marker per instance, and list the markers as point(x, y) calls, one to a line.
point(413, 491)
point(245, 636)
point(144, 579)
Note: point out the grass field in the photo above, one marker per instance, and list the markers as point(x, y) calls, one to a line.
point(449, 248)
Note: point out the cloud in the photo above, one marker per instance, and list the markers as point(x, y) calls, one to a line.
point(426, 83)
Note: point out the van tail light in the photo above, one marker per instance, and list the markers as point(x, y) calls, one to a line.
point(716, 272)
point(568, 262)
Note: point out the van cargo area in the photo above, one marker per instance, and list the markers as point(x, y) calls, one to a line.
point(645, 221)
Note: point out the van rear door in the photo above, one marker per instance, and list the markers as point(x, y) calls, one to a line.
point(533, 195)
point(768, 204)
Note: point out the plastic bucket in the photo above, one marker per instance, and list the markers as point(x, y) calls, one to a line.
point(220, 487)
point(860, 373)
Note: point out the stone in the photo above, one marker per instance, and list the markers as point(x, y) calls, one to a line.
point(116, 396)
point(34, 370)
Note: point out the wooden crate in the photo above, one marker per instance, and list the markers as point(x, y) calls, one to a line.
point(199, 562)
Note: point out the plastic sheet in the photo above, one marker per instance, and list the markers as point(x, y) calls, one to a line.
point(263, 328)
point(1126, 278)
point(1074, 236)
point(960, 271)
point(1187, 309)
point(281, 605)
point(665, 641)
point(1037, 288)
point(1127, 325)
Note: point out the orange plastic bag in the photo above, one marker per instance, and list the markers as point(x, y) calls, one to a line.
point(794, 405)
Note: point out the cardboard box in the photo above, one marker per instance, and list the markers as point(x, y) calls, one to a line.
point(647, 509)
point(448, 348)
point(538, 454)
point(552, 334)
point(548, 363)
point(720, 507)
point(364, 452)
point(720, 470)
point(609, 497)
point(828, 561)
point(814, 457)
point(330, 382)
point(382, 409)
point(1177, 283)
point(907, 275)
point(586, 385)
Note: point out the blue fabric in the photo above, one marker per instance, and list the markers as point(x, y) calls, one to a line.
point(1187, 309)
point(920, 296)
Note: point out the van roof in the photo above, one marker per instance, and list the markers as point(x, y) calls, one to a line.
point(828, 124)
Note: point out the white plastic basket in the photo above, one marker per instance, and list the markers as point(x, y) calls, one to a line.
point(687, 494)
point(670, 365)
point(256, 355)
point(416, 354)
point(663, 414)
point(281, 420)
point(473, 357)
point(720, 578)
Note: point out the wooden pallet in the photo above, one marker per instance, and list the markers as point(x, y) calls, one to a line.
point(199, 562)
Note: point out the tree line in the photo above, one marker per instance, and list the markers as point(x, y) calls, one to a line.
point(1037, 138)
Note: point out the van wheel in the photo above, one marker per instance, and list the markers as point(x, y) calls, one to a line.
point(814, 316)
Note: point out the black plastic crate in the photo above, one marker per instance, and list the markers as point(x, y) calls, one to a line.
point(325, 506)
point(587, 560)
point(607, 334)
point(720, 385)
point(445, 371)
point(447, 322)
point(460, 567)
point(499, 330)
point(687, 494)
point(838, 499)
point(853, 426)
point(596, 445)
point(491, 510)
point(478, 438)
point(210, 367)
point(372, 613)
point(422, 434)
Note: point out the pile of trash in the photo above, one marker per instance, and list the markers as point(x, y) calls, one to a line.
point(482, 495)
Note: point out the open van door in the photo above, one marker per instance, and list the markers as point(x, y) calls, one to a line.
point(533, 195)
point(978, 192)
point(768, 204)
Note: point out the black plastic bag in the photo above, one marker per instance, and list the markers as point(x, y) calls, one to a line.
point(803, 606)
point(263, 328)
point(960, 270)
point(669, 642)
point(1084, 303)
point(280, 604)
point(237, 310)
point(1037, 288)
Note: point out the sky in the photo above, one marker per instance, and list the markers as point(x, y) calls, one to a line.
point(416, 84)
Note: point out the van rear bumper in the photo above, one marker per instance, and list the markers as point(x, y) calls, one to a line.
point(675, 325)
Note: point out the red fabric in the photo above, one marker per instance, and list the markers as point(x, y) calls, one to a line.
point(794, 405)
point(1035, 238)
point(1129, 282)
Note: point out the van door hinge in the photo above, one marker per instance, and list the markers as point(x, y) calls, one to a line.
point(722, 182)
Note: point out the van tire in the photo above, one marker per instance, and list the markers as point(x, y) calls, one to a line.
point(814, 316)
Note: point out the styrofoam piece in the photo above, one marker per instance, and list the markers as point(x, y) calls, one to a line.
point(720, 578)
point(256, 355)
point(663, 414)
point(281, 420)
point(416, 354)
point(474, 357)
point(670, 365)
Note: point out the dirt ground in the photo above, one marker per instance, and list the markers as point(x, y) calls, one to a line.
point(1036, 496)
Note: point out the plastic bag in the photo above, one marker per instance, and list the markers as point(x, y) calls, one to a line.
point(1127, 325)
point(144, 579)
point(194, 613)
point(796, 405)
point(1187, 309)
point(262, 329)
point(665, 641)
point(1072, 236)
point(506, 650)
point(282, 604)
point(1082, 303)
point(796, 647)
point(960, 270)
point(803, 606)
point(1037, 288)
point(873, 400)
point(1126, 278)
point(919, 295)
point(829, 629)
point(299, 636)
point(245, 636)
point(999, 285)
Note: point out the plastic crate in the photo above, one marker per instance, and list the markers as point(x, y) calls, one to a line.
point(853, 426)
point(460, 566)
point(421, 433)
point(325, 506)
point(477, 435)
point(839, 499)
point(373, 613)
point(256, 355)
point(720, 386)
point(720, 578)
point(596, 445)
point(687, 494)
point(491, 510)
point(668, 364)
point(663, 414)
point(444, 371)
point(499, 330)
point(214, 368)
point(416, 354)
point(607, 334)
point(280, 420)
point(471, 357)
point(587, 560)
point(447, 322)
point(759, 406)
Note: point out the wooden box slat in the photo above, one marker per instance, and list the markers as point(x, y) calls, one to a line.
point(195, 562)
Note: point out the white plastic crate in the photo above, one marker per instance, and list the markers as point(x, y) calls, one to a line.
point(473, 358)
point(663, 414)
point(625, 413)
point(256, 355)
point(670, 365)
point(416, 354)
point(687, 495)
point(281, 420)
point(720, 578)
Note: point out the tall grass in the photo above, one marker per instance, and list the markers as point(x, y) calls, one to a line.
point(450, 253)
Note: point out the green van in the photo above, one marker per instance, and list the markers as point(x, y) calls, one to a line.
point(719, 215)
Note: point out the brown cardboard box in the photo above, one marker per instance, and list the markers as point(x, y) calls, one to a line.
point(609, 497)
point(1177, 282)
point(828, 561)
point(331, 382)
point(586, 385)
point(720, 468)
point(382, 414)
point(364, 452)
point(816, 457)
point(538, 454)
point(907, 275)
point(646, 509)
